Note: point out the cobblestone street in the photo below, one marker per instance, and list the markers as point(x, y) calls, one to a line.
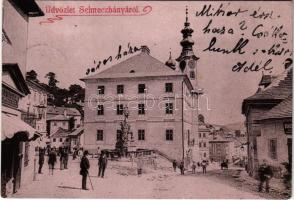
point(121, 181)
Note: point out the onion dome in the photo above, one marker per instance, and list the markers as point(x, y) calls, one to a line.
point(171, 62)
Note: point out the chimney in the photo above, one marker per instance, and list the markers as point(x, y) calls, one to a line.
point(288, 62)
point(145, 49)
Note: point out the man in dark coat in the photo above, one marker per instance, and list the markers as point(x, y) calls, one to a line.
point(265, 174)
point(182, 168)
point(51, 160)
point(84, 165)
point(65, 157)
point(41, 159)
point(61, 154)
point(175, 165)
point(102, 164)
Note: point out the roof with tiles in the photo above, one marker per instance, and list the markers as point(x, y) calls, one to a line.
point(60, 111)
point(60, 133)
point(282, 110)
point(279, 89)
point(58, 118)
point(139, 65)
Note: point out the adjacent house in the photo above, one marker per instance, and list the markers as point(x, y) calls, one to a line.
point(17, 137)
point(268, 121)
point(33, 109)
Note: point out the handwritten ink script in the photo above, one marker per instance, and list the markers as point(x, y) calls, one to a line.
point(257, 35)
point(120, 53)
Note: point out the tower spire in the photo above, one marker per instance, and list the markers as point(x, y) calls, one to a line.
point(186, 14)
point(187, 42)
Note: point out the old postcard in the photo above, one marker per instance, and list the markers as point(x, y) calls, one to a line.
point(146, 99)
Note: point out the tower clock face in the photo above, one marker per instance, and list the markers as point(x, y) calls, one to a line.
point(191, 64)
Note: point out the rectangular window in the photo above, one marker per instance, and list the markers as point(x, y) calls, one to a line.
point(199, 144)
point(141, 134)
point(168, 87)
point(141, 109)
point(204, 135)
point(118, 135)
point(101, 89)
point(54, 139)
point(204, 144)
point(204, 155)
point(169, 108)
point(119, 109)
point(99, 135)
point(169, 134)
point(26, 154)
point(199, 135)
point(60, 139)
point(54, 124)
point(141, 88)
point(273, 148)
point(120, 89)
point(100, 110)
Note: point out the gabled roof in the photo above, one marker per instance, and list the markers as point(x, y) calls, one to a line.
point(60, 133)
point(37, 85)
point(60, 111)
point(219, 138)
point(17, 77)
point(139, 65)
point(58, 118)
point(279, 89)
point(77, 131)
point(282, 110)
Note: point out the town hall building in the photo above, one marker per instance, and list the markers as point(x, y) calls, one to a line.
point(161, 99)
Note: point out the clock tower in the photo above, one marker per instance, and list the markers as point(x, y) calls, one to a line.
point(187, 60)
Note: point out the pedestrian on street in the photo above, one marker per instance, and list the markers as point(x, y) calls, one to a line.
point(182, 168)
point(193, 168)
point(139, 164)
point(98, 152)
point(265, 174)
point(41, 159)
point(51, 161)
point(204, 165)
point(175, 165)
point(65, 158)
point(84, 167)
point(102, 163)
point(75, 153)
point(61, 159)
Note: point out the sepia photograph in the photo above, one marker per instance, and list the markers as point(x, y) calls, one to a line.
point(146, 99)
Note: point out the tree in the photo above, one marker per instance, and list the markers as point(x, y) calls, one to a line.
point(74, 89)
point(32, 75)
point(52, 79)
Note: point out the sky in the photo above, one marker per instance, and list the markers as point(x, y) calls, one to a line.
point(69, 46)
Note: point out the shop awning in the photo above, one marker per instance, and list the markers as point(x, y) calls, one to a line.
point(12, 125)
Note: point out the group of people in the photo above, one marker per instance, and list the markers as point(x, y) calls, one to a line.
point(63, 153)
point(203, 164)
point(85, 166)
point(52, 158)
